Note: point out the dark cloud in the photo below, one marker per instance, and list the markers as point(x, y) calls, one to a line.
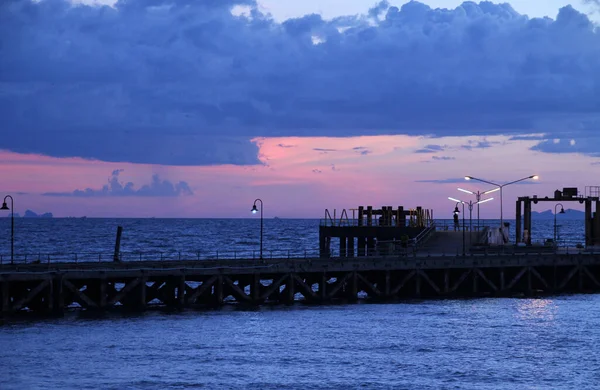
point(363, 151)
point(478, 145)
point(116, 188)
point(286, 146)
point(443, 158)
point(430, 149)
point(526, 138)
point(317, 171)
point(184, 82)
point(324, 150)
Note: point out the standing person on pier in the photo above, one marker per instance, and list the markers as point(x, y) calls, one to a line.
point(456, 223)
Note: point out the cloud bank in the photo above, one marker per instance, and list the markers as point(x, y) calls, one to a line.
point(182, 82)
point(115, 188)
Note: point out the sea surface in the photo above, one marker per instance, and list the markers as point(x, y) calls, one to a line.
point(498, 343)
point(93, 239)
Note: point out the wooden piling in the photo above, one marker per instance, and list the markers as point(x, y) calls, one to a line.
point(116, 256)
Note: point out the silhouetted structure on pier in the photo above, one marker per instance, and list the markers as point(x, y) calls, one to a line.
point(372, 231)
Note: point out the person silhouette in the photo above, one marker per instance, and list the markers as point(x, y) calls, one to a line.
point(456, 224)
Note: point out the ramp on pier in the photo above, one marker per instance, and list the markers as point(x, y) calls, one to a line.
point(448, 242)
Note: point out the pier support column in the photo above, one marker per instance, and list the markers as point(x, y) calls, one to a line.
point(446, 281)
point(181, 292)
point(418, 284)
point(388, 284)
point(218, 291)
point(291, 291)
point(141, 292)
point(323, 287)
point(475, 281)
point(255, 288)
point(5, 296)
point(103, 288)
point(352, 287)
point(502, 283)
point(58, 295)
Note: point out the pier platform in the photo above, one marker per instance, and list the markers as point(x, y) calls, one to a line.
point(52, 289)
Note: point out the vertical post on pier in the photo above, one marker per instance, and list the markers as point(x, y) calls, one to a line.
point(360, 245)
point(518, 238)
point(350, 247)
point(118, 244)
point(588, 223)
point(370, 241)
point(527, 220)
point(343, 241)
point(517, 222)
point(401, 221)
point(596, 226)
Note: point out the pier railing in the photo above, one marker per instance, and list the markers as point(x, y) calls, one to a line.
point(410, 251)
point(81, 257)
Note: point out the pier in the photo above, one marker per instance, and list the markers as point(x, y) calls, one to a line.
point(385, 255)
point(191, 284)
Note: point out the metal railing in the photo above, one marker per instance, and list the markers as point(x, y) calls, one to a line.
point(87, 257)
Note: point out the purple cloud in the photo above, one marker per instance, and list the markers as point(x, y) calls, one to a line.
point(114, 187)
point(182, 82)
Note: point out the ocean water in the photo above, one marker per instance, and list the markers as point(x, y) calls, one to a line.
point(71, 239)
point(547, 343)
point(469, 344)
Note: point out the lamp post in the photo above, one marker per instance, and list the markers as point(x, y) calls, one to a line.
point(478, 199)
point(562, 211)
point(470, 204)
point(254, 211)
point(501, 186)
point(12, 225)
point(456, 211)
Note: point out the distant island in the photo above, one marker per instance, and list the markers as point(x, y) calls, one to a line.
point(30, 214)
point(549, 214)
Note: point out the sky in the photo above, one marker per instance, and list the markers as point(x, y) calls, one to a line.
point(187, 108)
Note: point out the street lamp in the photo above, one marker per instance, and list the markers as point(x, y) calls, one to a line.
point(478, 198)
point(470, 204)
point(501, 186)
point(456, 211)
point(12, 225)
point(562, 211)
point(254, 211)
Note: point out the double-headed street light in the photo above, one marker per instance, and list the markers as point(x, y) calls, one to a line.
point(501, 186)
point(470, 204)
point(254, 211)
point(478, 198)
point(12, 225)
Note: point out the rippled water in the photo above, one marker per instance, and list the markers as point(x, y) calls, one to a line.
point(485, 343)
point(194, 238)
